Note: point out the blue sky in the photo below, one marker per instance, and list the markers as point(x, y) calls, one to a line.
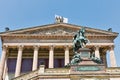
point(100, 14)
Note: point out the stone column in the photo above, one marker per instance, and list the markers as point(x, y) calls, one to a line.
point(66, 55)
point(112, 57)
point(19, 61)
point(51, 57)
point(104, 52)
point(97, 54)
point(5, 74)
point(35, 58)
point(2, 63)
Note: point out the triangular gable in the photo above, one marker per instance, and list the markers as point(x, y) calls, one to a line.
point(58, 29)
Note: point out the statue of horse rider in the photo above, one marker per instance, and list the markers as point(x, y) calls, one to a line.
point(79, 40)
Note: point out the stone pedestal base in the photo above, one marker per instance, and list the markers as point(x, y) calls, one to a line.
point(81, 69)
point(86, 65)
point(87, 62)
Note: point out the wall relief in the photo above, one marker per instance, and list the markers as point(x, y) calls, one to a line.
point(52, 31)
point(59, 30)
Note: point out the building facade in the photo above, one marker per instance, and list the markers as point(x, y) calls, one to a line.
point(41, 53)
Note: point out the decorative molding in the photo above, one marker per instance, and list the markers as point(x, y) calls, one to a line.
point(67, 40)
point(52, 31)
point(58, 29)
point(61, 25)
point(56, 44)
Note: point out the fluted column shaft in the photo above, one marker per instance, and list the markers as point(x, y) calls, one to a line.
point(66, 55)
point(19, 61)
point(2, 63)
point(5, 70)
point(97, 53)
point(35, 58)
point(51, 57)
point(112, 57)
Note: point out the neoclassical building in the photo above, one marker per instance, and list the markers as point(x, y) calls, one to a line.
point(41, 53)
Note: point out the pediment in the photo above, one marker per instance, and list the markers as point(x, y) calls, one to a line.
point(59, 29)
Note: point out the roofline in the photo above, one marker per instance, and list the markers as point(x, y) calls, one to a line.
point(57, 24)
point(24, 28)
point(93, 28)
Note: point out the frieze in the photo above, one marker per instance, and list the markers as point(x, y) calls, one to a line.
point(53, 31)
point(50, 41)
point(36, 41)
point(59, 31)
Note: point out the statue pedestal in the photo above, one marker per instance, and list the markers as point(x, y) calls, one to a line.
point(84, 53)
point(86, 65)
point(81, 69)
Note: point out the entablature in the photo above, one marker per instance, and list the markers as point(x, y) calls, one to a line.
point(57, 30)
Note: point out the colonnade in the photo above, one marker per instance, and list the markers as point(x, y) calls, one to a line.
point(51, 58)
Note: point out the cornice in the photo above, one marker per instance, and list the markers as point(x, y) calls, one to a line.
point(30, 36)
point(72, 26)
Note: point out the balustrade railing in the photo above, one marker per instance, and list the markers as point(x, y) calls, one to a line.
point(27, 76)
point(113, 70)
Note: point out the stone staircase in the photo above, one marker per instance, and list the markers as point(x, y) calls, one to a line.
point(27, 76)
point(35, 75)
point(68, 73)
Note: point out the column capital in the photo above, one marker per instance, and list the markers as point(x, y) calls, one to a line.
point(51, 47)
point(4, 47)
point(96, 47)
point(66, 47)
point(36, 47)
point(111, 47)
point(20, 47)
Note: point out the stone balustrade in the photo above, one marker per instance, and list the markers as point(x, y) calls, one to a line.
point(58, 71)
point(43, 71)
point(112, 70)
point(27, 76)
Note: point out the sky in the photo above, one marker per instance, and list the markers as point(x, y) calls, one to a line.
point(99, 14)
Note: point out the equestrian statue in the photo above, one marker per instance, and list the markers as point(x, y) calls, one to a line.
point(79, 40)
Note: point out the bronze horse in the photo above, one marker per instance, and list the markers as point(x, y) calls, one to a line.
point(79, 40)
